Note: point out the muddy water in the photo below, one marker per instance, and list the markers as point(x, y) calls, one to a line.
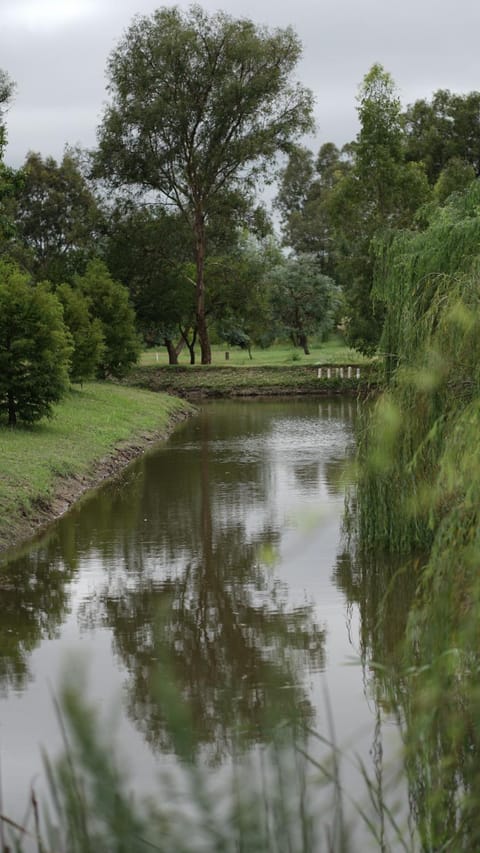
point(220, 552)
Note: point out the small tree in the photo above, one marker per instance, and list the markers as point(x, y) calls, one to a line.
point(109, 303)
point(237, 285)
point(86, 332)
point(304, 301)
point(35, 348)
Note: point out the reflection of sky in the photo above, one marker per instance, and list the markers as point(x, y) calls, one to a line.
point(305, 508)
point(292, 456)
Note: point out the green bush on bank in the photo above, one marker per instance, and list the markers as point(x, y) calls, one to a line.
point(50, 336)
point(35, 348)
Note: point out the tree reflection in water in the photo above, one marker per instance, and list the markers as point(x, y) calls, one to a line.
point(175, 558)
point(34, 600)
point(220, 623)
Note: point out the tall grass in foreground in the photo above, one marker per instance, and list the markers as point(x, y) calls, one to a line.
point(280, 798)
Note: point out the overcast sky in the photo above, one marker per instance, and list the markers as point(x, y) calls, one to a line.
point(56, 51)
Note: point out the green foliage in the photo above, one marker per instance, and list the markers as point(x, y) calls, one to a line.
point(35, 348)
point(202, 74)
point(10, 180)
point(8, 177)
point(419, 492)
point(337, 206)
point(304, 202)
point(378, 147)
point(428, 281)
point(380, 192)
point(455, 177)
point(86, 333)
point(200, 107)
point(109, 304)
point(445, 128)
point(6, 92)
point(148, 250)
point(238, 290)
point(56, 217)
point(304, 301)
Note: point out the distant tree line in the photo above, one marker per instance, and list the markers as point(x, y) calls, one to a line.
point(343, 205)
point(157, 238)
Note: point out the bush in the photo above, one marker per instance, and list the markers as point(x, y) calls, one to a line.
point(35, 348)
point(86, 332)
point(109, 303)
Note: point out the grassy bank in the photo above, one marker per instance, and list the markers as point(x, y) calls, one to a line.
point(230, 381)
point(94, 432)
point(333, 351)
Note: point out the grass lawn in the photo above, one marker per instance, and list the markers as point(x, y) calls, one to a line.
point(333, 351)
point(281, 369)
point(86, 427)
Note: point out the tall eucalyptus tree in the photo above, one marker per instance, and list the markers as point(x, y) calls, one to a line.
point(200, 106)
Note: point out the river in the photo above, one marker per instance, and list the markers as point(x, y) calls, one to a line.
point(219, 557)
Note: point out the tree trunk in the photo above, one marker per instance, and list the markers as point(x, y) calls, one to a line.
point(304, 343)
point(12, 410)
point(180, 344)
point(190, 344)
point(172, 352)
point(200, 241)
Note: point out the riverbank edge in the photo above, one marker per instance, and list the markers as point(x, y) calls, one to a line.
point(216, 383)
point(67, 490)
point(197, 382)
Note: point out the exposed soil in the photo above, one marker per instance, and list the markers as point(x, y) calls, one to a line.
point(67, 490)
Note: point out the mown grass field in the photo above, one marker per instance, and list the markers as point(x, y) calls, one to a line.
point(277, 370)
point(333, 351)
point(87, 426)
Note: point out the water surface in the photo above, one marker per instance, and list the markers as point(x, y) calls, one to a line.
point(217, 555)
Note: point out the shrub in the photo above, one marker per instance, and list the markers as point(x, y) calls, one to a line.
point(35, 348)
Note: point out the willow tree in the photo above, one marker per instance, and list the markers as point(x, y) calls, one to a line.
point(419, 493)
point(200, 106)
